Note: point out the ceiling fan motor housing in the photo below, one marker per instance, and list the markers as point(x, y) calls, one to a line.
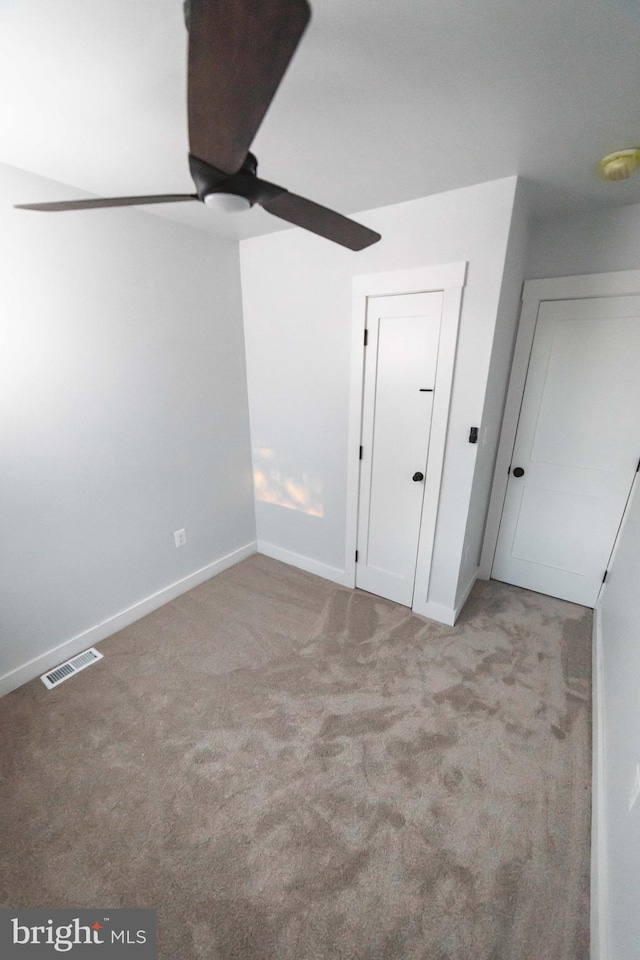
point(244, 183)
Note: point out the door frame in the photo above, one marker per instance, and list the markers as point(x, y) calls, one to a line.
point(534, 292)
point(450, 279)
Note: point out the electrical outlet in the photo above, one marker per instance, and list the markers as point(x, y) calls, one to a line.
point(180, 538)
point(635, 789)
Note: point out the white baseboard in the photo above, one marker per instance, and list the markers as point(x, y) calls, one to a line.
point(441, 613)
point(599, 890)
point(37, 666)
point(465, 596)
point(436, 611)
point(304, 563)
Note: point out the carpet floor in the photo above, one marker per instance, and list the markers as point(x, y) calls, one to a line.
point(289, 770)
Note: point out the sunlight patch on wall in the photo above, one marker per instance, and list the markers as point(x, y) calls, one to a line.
point(287, 488)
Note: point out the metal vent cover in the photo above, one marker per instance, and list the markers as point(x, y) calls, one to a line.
point(67, 669)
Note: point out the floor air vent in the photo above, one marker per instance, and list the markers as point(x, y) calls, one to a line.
point(69, 667)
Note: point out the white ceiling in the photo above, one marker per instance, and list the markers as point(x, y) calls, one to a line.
point(385, 100)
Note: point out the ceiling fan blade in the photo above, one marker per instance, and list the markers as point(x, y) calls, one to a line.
point(326, 223)
point(238, 53)
point(106, 202)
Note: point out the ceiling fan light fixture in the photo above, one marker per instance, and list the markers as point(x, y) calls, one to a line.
point(227, 202)
point(619, 165)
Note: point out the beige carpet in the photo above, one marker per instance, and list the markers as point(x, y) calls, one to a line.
point(288, 770)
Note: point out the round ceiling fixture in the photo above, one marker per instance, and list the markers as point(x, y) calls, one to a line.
point(619, 165)
point(227, 202)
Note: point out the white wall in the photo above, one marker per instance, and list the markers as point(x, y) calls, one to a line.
point(598, 242)
point(297, 307)
point(497, 382)
point(123, 416)
point(620, 653)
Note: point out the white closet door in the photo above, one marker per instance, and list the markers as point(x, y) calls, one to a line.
point(400, 371)
point(576, 449)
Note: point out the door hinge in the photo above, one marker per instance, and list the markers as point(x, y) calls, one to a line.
point(356, 556)
point(366, 336)
point(605, 576)
point(360, 456)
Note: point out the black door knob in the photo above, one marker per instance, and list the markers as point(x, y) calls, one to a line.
point(518, 472)
point(418, 476)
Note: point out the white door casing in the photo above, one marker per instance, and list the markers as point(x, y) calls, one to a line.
point(577, 442)
point(400, 372)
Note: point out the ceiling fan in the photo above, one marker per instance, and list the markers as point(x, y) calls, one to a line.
point(239, 51)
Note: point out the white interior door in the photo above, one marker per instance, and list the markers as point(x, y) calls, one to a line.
point(577, 445)
point(399, 381)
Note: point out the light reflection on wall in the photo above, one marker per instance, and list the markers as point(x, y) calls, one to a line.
point(285, 487)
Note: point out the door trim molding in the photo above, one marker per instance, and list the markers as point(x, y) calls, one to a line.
point(534, 292)
point(449, 278)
